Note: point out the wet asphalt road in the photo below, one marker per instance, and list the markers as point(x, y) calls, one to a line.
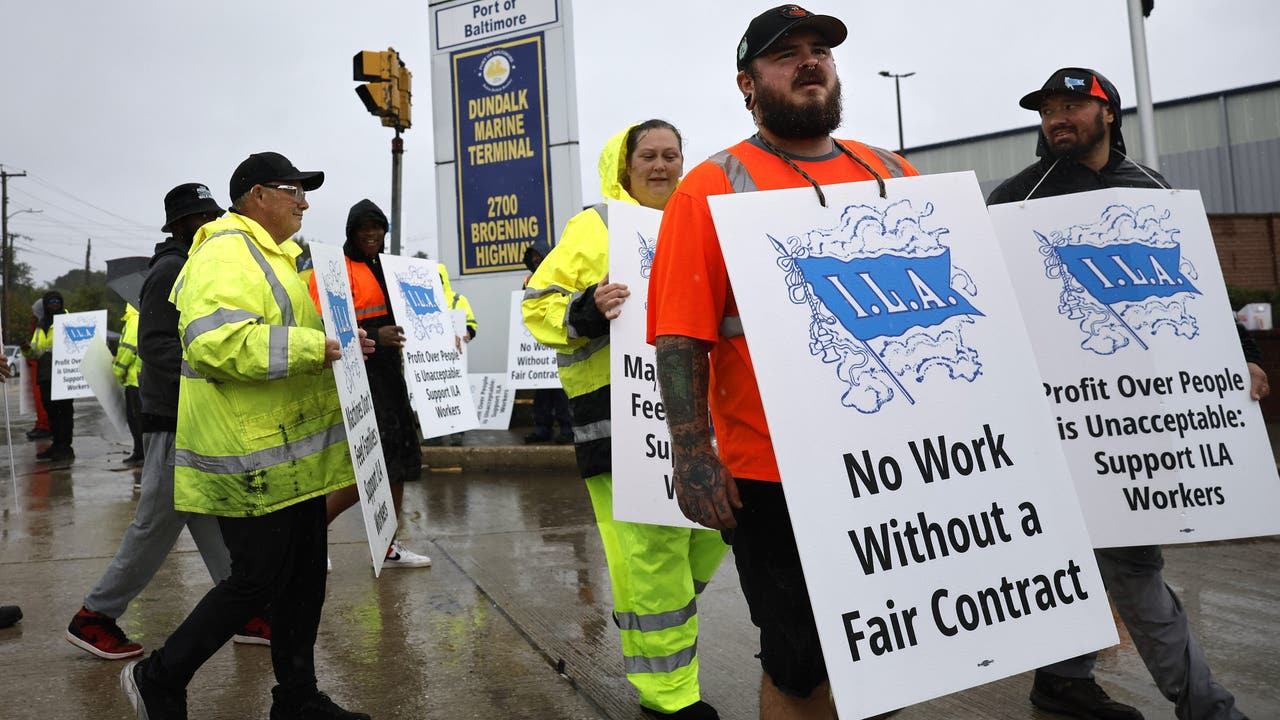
point(512, 620)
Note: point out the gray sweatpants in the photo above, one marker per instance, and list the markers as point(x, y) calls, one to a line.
point(154, 530)
point(1158, 625)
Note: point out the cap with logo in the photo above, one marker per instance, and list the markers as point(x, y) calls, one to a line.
point(1081, 81)
point(187, 199)
point(771, 24)
point(264, 167)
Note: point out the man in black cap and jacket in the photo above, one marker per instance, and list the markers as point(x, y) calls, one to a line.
point(156, 524)
point(1081, 149)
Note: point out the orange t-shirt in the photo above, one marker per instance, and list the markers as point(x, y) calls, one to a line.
point(689, 292)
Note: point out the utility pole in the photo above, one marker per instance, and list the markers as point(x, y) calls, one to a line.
point(6, 247)
point(387, 93)
point(1138, 11)
point(87, 250)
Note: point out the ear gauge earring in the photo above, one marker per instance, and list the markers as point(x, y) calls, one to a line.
point(747, 101)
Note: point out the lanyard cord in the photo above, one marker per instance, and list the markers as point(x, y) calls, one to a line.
point(822, 198)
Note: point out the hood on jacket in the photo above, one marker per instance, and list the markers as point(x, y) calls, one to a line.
point(613, 165)
point(1113, 98)
point(47, 320)
point(535, 252)
point(170, 246)
point(361, 211)
point(129, 311)
point(444, 282)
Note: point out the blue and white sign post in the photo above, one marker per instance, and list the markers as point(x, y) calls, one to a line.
point(938, 527)
point(359, 417)
point(1140, 360)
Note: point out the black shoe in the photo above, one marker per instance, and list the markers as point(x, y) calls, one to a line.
point(697, 711)
point(313, 706)
point(9, 615)
point(45, 454)
point(564, 439)
point(148, 699)
point(62, 453)
point(38, 434)
point(535, 437)
point(1080, 698)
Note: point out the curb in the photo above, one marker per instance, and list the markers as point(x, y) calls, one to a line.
point(500, 457)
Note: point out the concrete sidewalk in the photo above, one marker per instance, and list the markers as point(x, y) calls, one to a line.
point(513, 619)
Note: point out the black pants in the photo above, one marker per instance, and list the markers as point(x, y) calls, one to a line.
point(277, 560)
point(133, 411)
point(551, 406)
point(61, 414)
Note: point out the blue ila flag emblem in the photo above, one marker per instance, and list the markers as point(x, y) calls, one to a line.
point(425, 315)
point(1123, 278)
point(344, 326)
point(78, 336)
point(888, 307)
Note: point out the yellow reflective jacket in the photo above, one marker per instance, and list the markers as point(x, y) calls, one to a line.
point(579, 262)
point(259, 425)
point(127, 362)
point(456, 301)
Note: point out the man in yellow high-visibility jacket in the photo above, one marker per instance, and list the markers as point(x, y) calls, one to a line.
point(260, 442)
point(126, 368)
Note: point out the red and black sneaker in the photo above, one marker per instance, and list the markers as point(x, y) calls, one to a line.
point(100, 635)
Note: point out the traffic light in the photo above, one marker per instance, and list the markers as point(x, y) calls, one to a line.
point(387, 90)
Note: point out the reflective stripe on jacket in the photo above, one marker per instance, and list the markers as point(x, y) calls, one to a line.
point(127, 363)
point(259, 425)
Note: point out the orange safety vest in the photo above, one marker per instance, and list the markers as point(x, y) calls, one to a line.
point(366, 293)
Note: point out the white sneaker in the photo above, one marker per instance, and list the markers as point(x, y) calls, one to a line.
point(328, 564)
point(398, 556)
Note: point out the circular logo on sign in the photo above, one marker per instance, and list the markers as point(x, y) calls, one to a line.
point(496, 70)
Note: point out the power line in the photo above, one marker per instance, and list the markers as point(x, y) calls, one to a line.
point(55, 188)
point(98, 223)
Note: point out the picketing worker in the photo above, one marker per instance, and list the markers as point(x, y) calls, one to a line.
point(61, 412)
point(156, 524)
point(260, 442)
point(788, 80)
point(1081, 148)
point(126, 368)
point(657, 571)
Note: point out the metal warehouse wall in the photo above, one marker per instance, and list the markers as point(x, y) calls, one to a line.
point(1226, 145)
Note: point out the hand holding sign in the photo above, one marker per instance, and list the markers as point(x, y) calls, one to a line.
point(610, 296)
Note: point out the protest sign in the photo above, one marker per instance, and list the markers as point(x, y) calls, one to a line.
point(641, 443)
point(359, 417)
point(530, 364)
point(494, 400)
point(72, 335)
point(433, 364)
point(1140, 360)
point(941, 540)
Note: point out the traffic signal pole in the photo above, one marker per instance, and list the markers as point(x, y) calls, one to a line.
point(397, 150)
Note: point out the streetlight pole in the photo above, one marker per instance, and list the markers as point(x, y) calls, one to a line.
point(897, 91)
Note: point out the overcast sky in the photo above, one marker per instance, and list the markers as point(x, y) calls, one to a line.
point(108, 105)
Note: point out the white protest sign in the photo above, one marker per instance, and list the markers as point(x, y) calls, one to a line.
point(641, 442)
point(942, 543)
point(494, 400)
point(433, 366)
point(96, 369)
point(359, 418)
point(1128, 314)
point(530, 364)
point(72, 335)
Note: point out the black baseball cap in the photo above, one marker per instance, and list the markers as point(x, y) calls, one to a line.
point(187, 199)
point(771, 24)
point(1081, 81)
point(264, 167)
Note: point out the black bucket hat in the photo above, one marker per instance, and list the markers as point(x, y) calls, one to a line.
point(187, 199)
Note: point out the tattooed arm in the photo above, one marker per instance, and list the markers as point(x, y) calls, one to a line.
point(704, 487)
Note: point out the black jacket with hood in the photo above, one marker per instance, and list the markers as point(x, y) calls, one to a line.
point(44, 365)
point(158, 343)
point(1050, 175)
point(383, 357)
